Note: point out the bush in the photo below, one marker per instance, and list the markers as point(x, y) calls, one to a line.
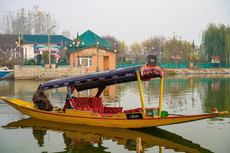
point(39, 58)
point(32, 61)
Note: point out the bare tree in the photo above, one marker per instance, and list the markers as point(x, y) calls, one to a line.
point(32, 22)
point(112, 40)
point(66, 33)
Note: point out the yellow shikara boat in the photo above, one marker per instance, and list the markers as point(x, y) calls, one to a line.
point(82, 135)
point(90, 110)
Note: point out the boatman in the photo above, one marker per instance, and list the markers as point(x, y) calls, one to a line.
point(41, 101)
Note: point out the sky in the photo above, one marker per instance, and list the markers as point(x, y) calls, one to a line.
point(131, 20)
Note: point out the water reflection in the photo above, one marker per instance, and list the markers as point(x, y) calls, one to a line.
point(186, 95)
point(82, 138)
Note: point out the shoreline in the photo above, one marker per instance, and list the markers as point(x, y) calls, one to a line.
point(196, 71)
point(168, 72)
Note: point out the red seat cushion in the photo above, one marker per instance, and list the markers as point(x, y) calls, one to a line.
point(84, 109)
point(133, 110)
point(106, 114)
point(83, 102)
point(97, 105)
point(113, 110)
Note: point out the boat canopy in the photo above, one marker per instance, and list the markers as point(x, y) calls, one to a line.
point(110, 77)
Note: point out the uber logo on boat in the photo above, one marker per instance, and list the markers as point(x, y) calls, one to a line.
point(129, 74)
point(101, 78)
point(76, 82)
point(88, 80)
point(115, 76)
point(134, 116)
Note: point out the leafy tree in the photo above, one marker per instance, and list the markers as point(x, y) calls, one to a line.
point(215, 42)
point(177, 48)
point(45, 55)
point(63, 55)
point(136, 51)
point(122, 51)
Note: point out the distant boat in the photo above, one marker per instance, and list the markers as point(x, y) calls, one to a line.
point(4, 71)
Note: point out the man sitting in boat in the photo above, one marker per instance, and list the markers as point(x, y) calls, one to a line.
point(41, 101)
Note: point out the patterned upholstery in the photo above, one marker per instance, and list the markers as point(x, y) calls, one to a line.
point(149, 71)
point(113, 110)
point(88, 103)
point(83, 102)
point(84, 109)
point(106, 114)
point(97, 105)
point(133, 110)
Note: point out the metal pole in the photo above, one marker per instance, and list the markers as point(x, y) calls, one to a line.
point(141, 93)
point(73, 54)
point(78, 55)
point(49, 39)
point(22, 55)
point(97, 61)
point(20, 50)
point(160, 96)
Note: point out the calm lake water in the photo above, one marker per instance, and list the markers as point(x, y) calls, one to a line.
point(191, 95)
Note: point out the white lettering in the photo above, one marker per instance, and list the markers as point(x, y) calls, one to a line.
point(114, 76)
point(77, 82)
point(134, 116)
point(101, 78)
point(88, 80)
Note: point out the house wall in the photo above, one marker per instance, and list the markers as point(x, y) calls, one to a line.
point(30, 50)
point(93, 52)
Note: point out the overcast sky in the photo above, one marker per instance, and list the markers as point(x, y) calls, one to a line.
point(131, 20)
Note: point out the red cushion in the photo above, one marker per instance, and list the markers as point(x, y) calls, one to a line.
point(83, 102)
point(84, 109)
point(133, 110)
point(106, 114)
point(113, 110)
point(97, 105)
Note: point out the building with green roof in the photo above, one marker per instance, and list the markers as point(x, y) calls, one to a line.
point(87, 48)
point(8, 44)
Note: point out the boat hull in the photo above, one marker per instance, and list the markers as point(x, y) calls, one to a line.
point(4, 73)
point(89, 118)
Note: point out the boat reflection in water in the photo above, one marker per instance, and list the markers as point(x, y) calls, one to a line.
point(83, 137)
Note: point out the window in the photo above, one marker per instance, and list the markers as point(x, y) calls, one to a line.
point(86, 61)
point(36, 52)
point(53, 52)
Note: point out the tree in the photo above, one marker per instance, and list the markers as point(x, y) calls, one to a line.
point(45, 55)
point(63, 56)
point(176, 48)
point(122, 51)
point(215, 42)
point(32, 22)
point(136, 51)
point(66, 33)
point(112, 40)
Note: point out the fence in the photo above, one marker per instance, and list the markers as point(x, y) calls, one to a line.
point(40, 64)
point(180, 65)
